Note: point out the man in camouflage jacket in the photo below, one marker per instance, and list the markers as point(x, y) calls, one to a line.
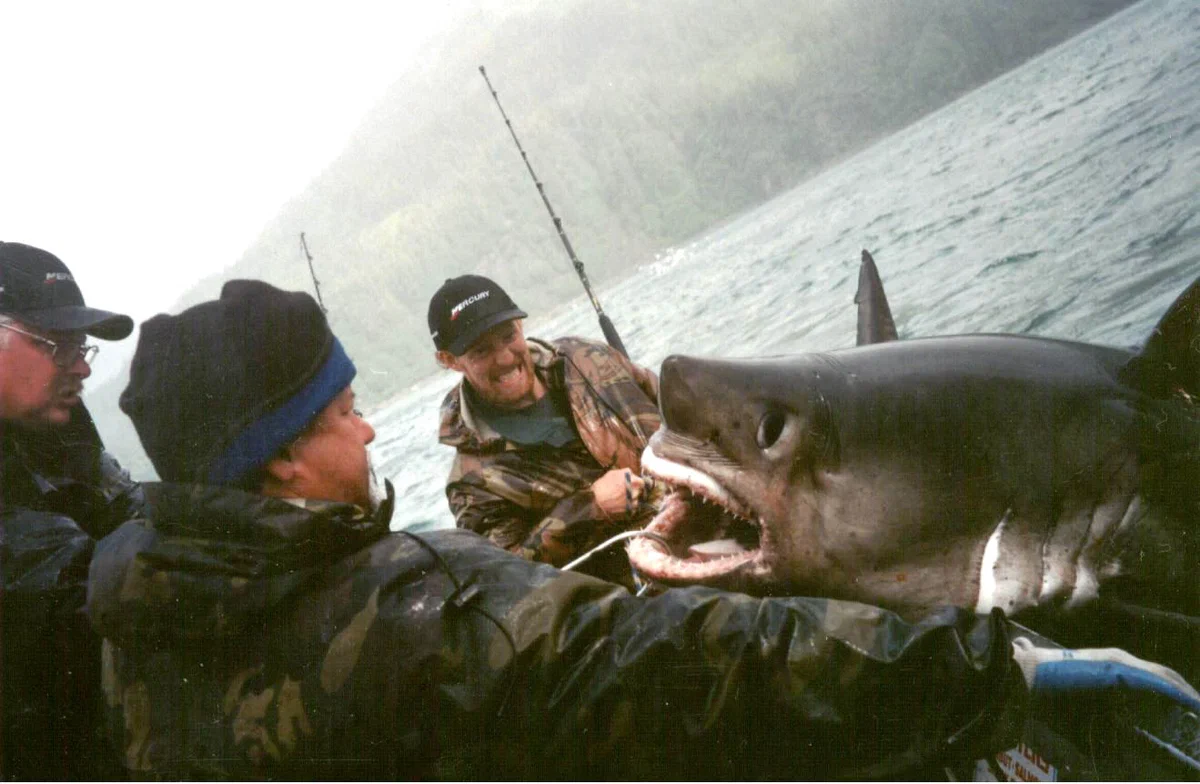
point(543, 498)
point(284, 632)
point(59, 491)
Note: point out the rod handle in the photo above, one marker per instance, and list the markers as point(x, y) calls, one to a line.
point(610, 335)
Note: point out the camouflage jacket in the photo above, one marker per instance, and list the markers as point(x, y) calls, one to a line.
point(249, 638)
point(58, 491)
point(537, 501)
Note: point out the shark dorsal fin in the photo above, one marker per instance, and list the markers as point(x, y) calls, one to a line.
point(875, 324)
point(1169, 364)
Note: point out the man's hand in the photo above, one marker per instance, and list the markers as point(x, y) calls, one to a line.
point(618, 492)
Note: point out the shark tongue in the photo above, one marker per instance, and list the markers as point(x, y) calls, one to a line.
point(719, 548)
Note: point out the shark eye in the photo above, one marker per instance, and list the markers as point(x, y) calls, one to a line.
point(769, 429)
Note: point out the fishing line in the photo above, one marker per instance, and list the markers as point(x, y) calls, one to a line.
point(646, 585)
point(613, 540)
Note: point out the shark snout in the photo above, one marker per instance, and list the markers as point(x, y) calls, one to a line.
point(681, 396)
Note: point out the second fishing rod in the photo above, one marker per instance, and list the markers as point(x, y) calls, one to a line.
point(606, 325)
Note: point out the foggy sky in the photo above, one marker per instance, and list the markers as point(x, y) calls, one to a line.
point(146, 144)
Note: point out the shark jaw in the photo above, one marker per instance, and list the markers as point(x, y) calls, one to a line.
point(714, 537)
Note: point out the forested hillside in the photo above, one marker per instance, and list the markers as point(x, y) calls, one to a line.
point(648, 121)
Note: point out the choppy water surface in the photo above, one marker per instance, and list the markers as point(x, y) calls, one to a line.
point(1062, 199)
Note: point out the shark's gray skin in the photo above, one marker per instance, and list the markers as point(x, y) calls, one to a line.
point(983, 471)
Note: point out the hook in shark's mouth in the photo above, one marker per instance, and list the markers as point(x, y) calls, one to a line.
point(711, 533)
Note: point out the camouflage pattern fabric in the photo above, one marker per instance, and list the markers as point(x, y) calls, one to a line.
point(537, 501)
point(249, 638)
point(58, 490)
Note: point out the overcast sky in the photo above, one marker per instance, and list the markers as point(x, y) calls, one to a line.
point(147, 144)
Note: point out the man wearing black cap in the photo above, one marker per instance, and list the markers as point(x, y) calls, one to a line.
point(261, 621)
point(59, 491)
point(548, 435)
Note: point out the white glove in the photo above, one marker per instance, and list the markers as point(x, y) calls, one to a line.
point(1095, 669)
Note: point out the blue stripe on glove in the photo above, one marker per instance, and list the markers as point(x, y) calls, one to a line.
point(1081, 675)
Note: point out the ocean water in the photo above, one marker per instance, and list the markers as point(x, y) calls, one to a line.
point(1061, 199)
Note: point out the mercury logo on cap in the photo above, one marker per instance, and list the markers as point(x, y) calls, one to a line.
point(454, 311)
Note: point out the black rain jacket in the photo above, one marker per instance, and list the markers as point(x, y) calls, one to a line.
point(59, 491)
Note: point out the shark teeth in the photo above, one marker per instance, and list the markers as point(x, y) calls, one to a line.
point(690, 490)
point(699, 483)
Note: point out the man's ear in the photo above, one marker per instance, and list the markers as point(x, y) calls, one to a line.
point(281, 469)
point(447, 360)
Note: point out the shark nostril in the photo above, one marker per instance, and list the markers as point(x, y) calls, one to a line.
point(770, 427)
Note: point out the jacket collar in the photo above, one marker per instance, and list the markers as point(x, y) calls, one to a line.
point(382, 513)
point(34, 461)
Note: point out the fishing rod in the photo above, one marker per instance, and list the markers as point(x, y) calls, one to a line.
point(606, 325)
point(311, 271)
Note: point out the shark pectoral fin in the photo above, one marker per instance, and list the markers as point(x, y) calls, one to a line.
point(1169, 364)
point(875, 324)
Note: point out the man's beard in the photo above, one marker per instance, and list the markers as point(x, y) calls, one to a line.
point(375, 489)
point(60, 390)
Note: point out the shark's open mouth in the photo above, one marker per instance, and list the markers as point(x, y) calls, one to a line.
point(710, 532)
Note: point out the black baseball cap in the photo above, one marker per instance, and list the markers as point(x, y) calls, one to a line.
point(39, 290)
point(464, 308)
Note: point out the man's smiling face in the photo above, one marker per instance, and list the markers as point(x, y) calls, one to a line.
point(499, 367)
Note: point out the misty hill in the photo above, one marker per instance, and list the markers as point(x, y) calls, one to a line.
point(649, 122)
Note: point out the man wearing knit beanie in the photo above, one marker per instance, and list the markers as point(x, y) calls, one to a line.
point(250, 390)
point(283, 632)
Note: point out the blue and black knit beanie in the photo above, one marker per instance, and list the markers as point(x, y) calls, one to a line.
point(216, 391)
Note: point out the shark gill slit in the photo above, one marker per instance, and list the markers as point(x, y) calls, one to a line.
point(987, 574)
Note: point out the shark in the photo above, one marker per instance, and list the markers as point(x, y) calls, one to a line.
point(990, 471)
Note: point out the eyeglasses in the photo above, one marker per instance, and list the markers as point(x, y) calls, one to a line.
point(64, 354)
